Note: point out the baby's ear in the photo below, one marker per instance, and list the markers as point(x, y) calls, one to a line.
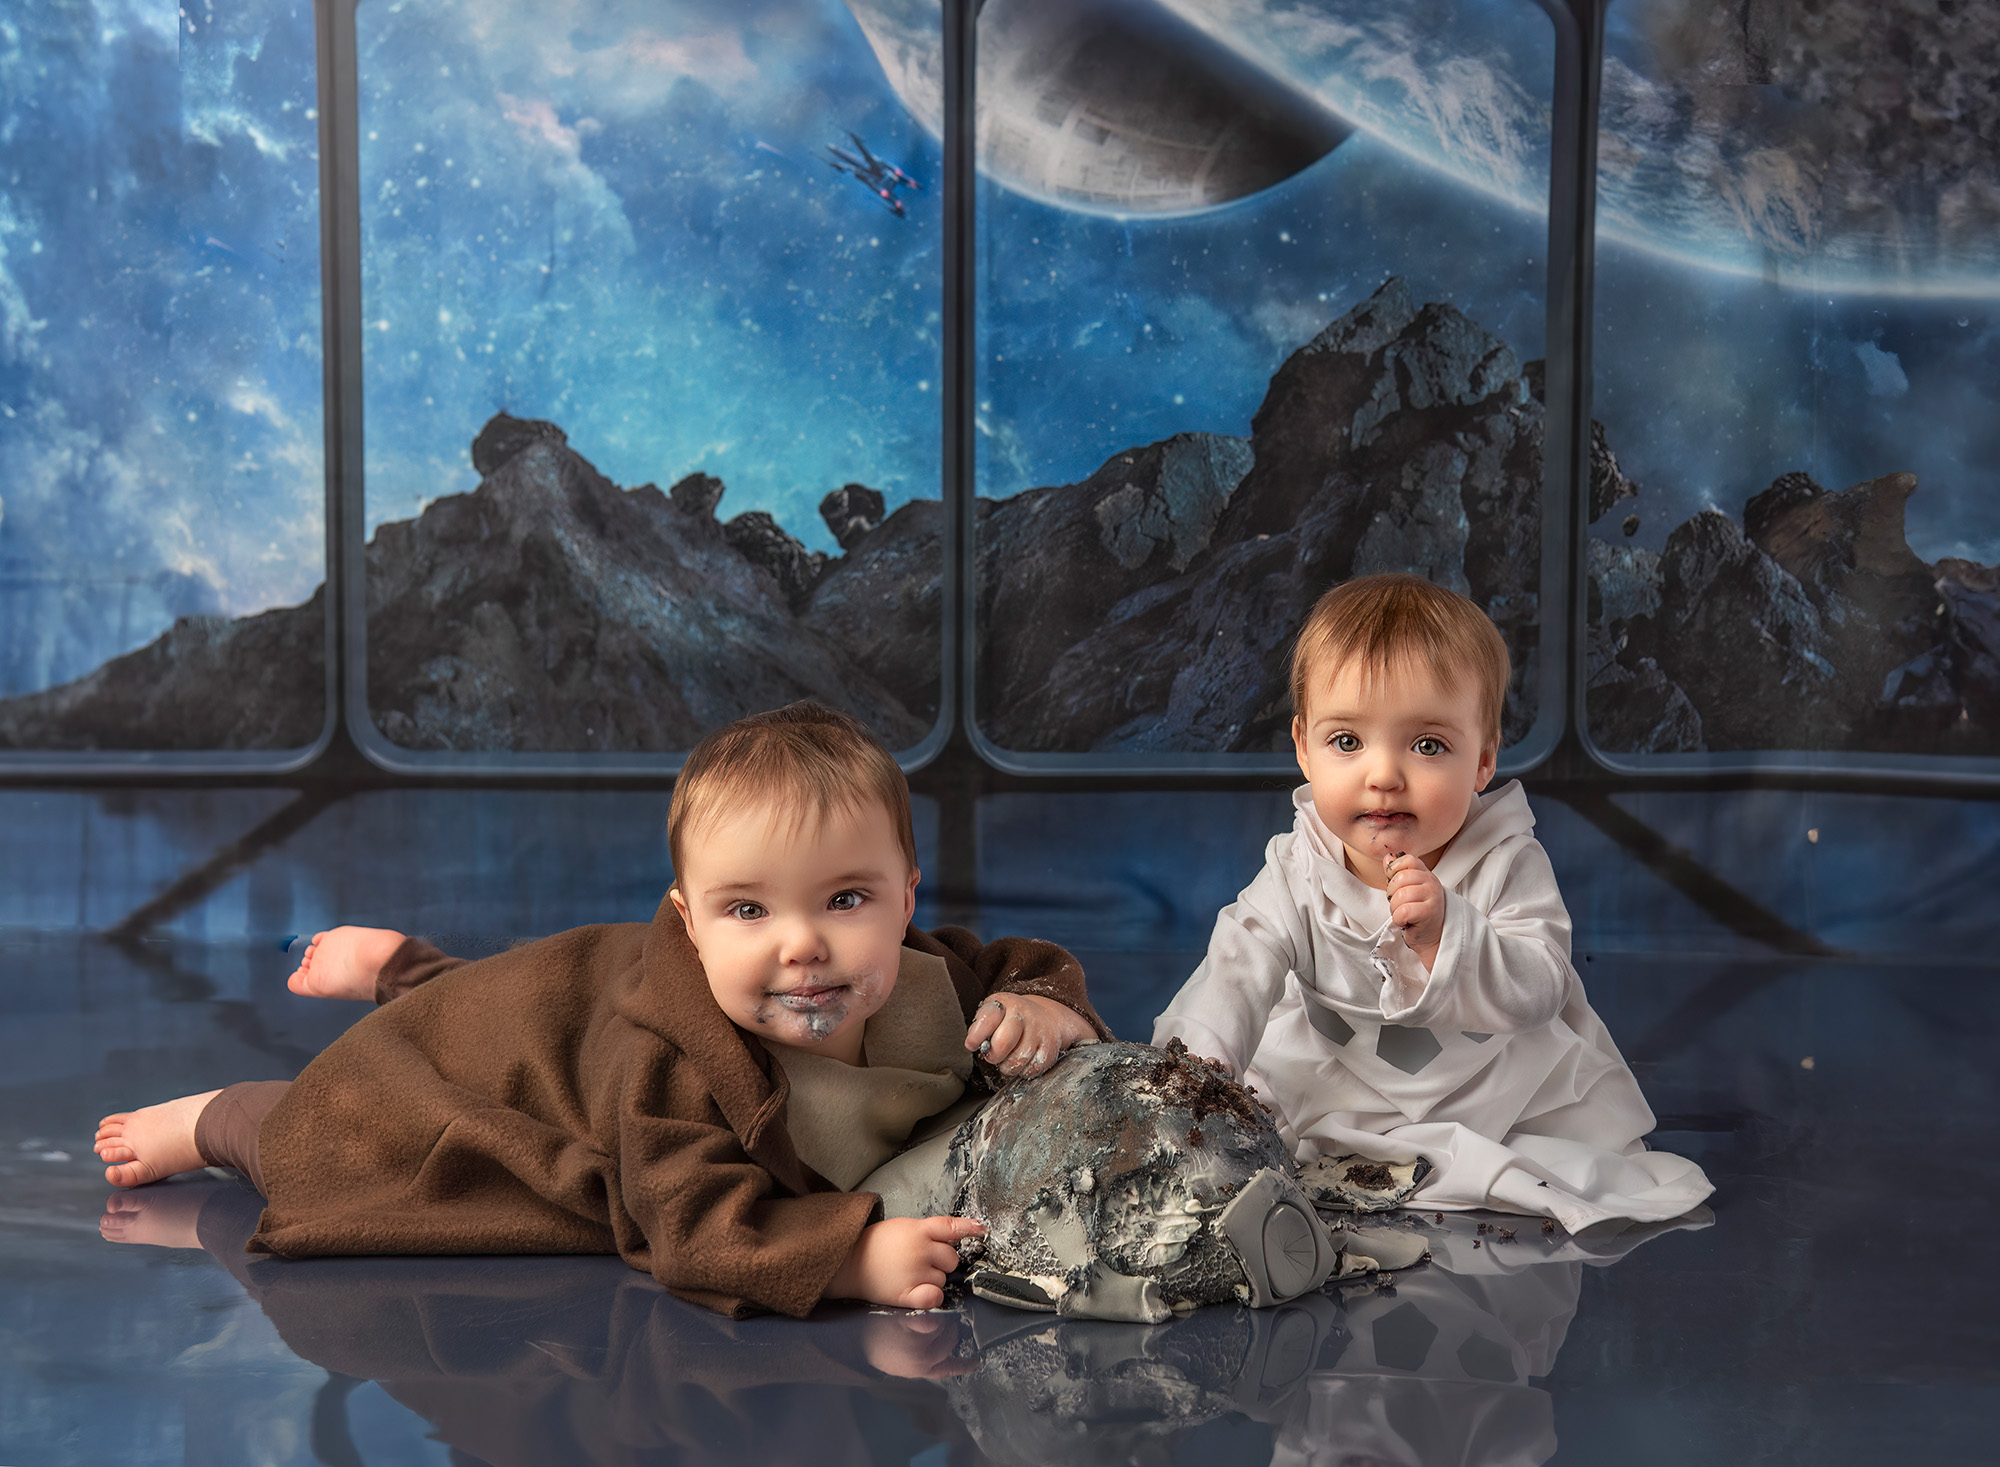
point(681, 906)
point(1489, 761)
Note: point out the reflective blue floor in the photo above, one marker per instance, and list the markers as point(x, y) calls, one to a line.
point(1839, 1307)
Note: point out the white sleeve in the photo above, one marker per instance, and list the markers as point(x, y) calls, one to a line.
point(1503, 970)
point(1260, 937)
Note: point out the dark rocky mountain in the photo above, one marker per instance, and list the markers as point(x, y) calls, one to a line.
point(1812, 625)
point(546, 610)
point(211, 682)
point(550, 610)
point(1399, 438)
point(1150, 606)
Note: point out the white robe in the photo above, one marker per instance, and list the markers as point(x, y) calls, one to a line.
point(1491, 1065)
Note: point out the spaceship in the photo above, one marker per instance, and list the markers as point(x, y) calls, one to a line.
point(877, 175)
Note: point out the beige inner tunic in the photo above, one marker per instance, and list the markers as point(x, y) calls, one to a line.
point(846, 1120)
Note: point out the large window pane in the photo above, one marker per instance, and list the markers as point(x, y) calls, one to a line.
point(1262, 294)
point(162, 482)
point(691, 245)
point(1797, 365)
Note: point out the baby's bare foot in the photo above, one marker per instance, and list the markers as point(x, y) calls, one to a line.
point(344, 962)
point(166, 1217)
point(157, 1141)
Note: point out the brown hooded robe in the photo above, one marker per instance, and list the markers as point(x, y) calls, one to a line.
point(583, 1094)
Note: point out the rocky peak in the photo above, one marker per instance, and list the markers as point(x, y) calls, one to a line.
point(1442, 358)
point(697, 495)
point(1371, 325)
point(1371, 388)
point(762, 541)
point(851, 512)
point(1827, 540)
point(506, 435)
point(1746, 642)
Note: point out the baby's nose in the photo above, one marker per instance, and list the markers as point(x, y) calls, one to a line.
point(801, 942)
point(1385, 773)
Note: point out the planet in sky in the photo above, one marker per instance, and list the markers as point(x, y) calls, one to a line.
point(1837, 148)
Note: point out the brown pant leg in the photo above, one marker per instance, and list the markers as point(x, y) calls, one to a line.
point(225, 1133)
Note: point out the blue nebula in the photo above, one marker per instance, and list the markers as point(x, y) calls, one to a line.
point(160, 364)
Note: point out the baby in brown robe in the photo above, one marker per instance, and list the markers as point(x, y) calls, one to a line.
point(692, 1094)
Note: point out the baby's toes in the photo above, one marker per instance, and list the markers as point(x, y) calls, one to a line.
point(132, 1174)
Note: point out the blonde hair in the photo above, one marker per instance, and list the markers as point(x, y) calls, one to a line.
point(805, 757)
point(1380, 620)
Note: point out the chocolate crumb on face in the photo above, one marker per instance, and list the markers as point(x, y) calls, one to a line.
point(1193, 1137)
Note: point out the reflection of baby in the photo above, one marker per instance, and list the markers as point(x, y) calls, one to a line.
point(1438, 1370)
point(688, 1094)
point(1396, 980)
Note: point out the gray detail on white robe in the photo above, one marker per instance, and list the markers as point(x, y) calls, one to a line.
point(1475, 1036)
point(1406, 1047)
point(1329, 1022)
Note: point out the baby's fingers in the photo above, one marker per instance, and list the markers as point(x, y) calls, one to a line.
point(1008, 1042)
point(944, 1228)
point(985, 1019)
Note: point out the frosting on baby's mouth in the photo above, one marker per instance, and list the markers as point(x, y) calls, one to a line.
point(816, 1009)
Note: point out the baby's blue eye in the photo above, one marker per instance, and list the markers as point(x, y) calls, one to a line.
point(1429, 747)
point(746, 911)
point(844, 901)
point(1347, 743)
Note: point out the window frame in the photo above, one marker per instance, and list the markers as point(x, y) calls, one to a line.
point(1559, 738)
point(1562, 458)
point(341, 58)
point(129, 764)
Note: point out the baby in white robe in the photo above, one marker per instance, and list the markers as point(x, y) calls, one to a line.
point(1396, 981)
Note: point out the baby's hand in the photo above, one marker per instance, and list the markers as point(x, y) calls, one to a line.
point(1416, 904)
point(1023, 1033)
point(903, 1261)
point(344, 963)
